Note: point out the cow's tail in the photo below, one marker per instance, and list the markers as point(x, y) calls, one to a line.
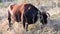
point(9, 20)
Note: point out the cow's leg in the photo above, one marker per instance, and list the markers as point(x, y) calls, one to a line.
point(24, 21)
point(22, 17)
point(25, 24)
point(41, 19)
point(9, 19)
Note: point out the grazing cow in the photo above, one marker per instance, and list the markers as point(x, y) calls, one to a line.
point(26, 12)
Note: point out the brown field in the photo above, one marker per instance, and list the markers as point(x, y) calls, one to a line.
point(53, 26)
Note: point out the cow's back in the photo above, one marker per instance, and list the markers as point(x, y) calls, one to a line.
point(31, 13)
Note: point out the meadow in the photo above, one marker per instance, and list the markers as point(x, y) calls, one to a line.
point(50, 6)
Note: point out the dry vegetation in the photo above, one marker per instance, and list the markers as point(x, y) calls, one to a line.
point(53, 26)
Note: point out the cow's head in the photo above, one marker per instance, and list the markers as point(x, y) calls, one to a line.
point(44, 17)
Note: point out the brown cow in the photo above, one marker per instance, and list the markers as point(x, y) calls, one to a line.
point(26, 12)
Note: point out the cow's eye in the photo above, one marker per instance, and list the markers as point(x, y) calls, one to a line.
point(41, 17)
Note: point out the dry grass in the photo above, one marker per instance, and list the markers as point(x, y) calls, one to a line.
point(33, 28)
point(15, 29)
